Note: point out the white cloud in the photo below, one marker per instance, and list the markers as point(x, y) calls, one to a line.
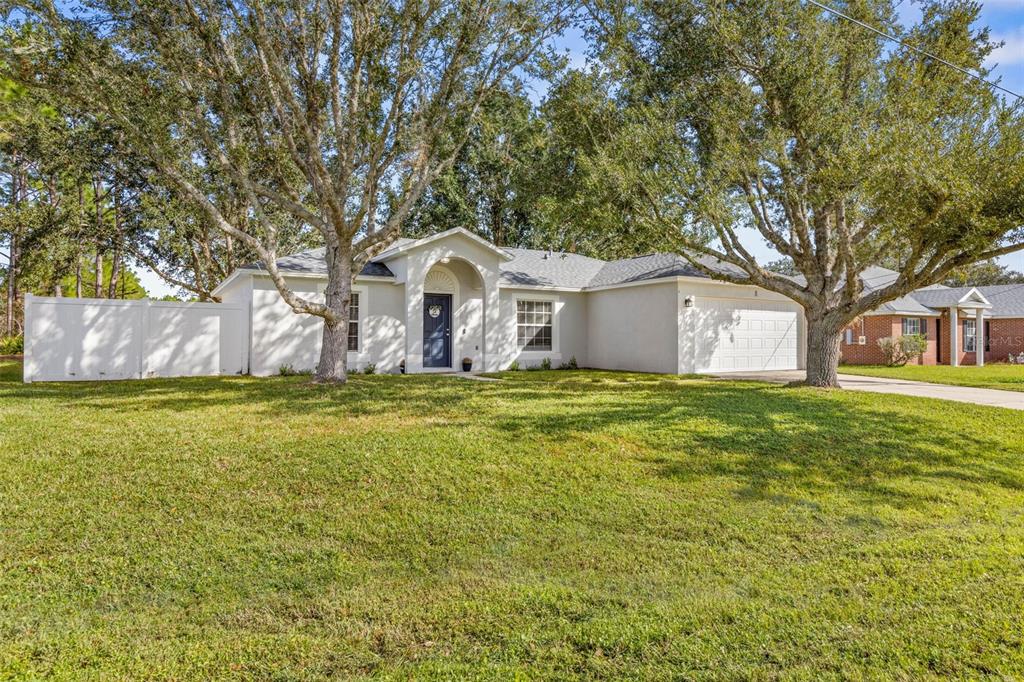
point(1013, 50)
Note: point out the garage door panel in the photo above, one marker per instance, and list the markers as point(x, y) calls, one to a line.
point(733, 337)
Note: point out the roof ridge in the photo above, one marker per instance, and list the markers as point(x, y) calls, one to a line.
point(568, 253)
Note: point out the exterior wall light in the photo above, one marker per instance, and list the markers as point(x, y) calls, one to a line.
point(688, 301)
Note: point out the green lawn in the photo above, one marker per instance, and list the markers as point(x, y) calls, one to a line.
point(1001, 376)
point(551, 525)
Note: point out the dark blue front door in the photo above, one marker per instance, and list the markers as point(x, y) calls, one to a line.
point(437, 330)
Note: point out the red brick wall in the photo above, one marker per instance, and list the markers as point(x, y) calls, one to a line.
point(944, 360)
point(875, 327)
point(1007, 335)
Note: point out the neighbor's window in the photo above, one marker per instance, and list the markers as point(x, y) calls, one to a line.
point(912, 325)
point(533, 324)
point(849, 337)
point(353, 322)
point(970, 336)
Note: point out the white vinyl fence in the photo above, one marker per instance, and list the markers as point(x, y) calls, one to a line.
point(74, 339)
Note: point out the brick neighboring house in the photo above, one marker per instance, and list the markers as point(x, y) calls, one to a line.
point(992, 317)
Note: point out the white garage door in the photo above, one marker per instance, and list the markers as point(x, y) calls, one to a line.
point(731, 336)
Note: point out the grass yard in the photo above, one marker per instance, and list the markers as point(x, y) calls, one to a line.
point(1001, 376)
point(551, 525)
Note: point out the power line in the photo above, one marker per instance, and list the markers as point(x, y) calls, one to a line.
point(913, 47)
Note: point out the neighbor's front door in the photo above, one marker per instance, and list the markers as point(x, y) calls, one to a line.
point(437, 330)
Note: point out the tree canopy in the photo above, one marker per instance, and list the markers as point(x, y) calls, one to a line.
point(193, 136)
point(837, 147)
point(328, 116)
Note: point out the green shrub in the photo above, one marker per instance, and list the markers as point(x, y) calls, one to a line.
point(370, 368)
point(569, 365)
point(12, 345)
point(287, 370)
point(899, 350)
point(513, 366)
point(545, 364)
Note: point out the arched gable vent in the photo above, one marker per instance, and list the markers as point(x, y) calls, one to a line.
point(440, 282)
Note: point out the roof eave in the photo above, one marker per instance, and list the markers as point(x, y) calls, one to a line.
point(229, 279)
point(974, 293)
point(404, 248)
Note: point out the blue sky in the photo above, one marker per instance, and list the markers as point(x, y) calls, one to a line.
point(1004, 17)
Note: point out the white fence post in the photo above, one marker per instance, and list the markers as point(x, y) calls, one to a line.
point(28, 366)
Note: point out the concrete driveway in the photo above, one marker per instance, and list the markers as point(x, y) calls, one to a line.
point(1013, 400)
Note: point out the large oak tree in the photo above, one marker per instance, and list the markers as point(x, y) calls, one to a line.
point(336, 113)
point(836, 147)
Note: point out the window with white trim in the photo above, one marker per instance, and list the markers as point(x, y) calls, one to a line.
point(534, 324)
point(970, 336)
point(849, 336)
point(912, 325)
point(353, 322)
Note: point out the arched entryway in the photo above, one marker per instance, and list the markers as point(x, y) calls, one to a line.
point(453, 313)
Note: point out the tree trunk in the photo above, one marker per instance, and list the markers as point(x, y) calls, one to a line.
point(333, 364)
point(229, 253)
point(497, 228)
point(12, 278)
point(97, 187)
point(81, 230)
point(115, 273)
point(823, 337)
point(115, 258)
point(12, 251)
point(98, 285)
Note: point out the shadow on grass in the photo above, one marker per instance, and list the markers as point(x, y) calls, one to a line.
point(771, 438)
point(274, 396)
point(776, 438)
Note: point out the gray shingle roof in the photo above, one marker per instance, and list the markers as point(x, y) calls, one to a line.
point(643, 268)
point(312, 262)
point(1007, 299)
point(905, 305)
point(530, 267)
point(875, 277)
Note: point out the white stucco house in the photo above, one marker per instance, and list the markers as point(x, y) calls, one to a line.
point(425, 304)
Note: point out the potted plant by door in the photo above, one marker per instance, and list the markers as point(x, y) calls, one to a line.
point(467, 364)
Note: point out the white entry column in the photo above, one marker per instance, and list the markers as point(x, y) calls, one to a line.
point(954, 338)
point(979, 343)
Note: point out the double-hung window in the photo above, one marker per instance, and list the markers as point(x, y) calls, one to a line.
point(912, 325)
point(353, 322)
point(970, 336)
point(534, 324)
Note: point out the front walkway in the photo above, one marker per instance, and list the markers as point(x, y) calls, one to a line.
point(1013, 400)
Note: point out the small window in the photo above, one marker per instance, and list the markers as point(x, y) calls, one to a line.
point(533, 325)
point(912, 325)
point(353, 322)
point(849, 337)
point(970, 336)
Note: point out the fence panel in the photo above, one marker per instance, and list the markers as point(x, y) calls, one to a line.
point(81, 339)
